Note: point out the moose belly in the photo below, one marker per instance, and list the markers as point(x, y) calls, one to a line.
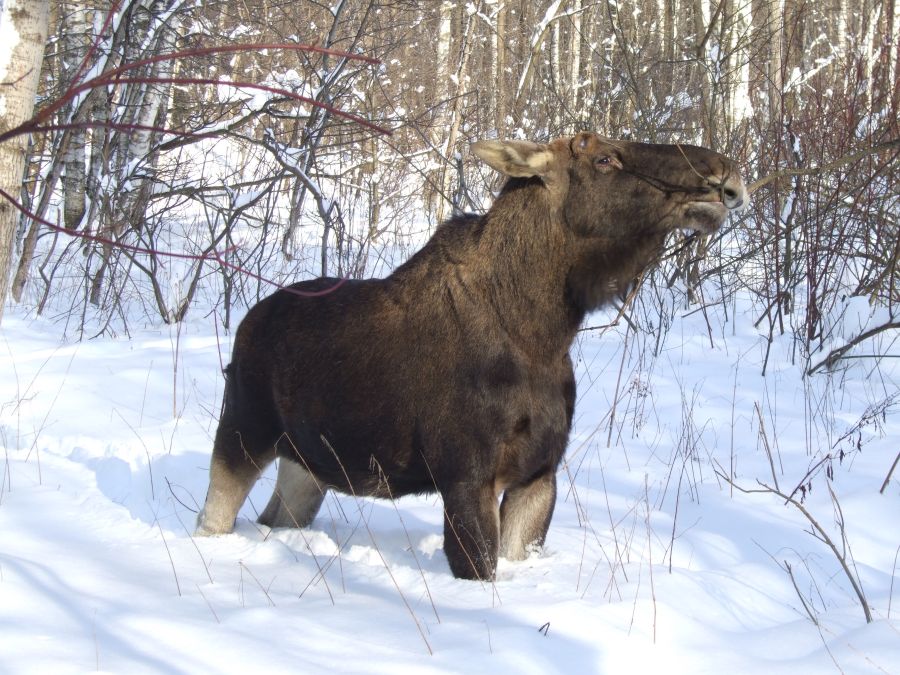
point(389, 445)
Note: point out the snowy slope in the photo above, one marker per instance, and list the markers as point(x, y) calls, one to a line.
point(654, 561)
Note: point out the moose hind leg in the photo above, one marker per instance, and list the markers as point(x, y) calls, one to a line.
point(471, 527)
point(525, 516)
point(238, 458)
point(229, 485)
point(297, 497)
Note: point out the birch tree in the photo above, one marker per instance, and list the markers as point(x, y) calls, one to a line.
point(445, 67)
point(498, 66)
point(23, 27)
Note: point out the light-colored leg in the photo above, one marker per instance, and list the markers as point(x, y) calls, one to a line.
point(228, 488)
point(525, 516)
point(297, 497)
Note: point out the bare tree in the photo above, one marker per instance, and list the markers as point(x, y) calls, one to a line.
point(792, 89)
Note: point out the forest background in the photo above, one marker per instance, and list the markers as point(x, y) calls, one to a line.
point(173, 155)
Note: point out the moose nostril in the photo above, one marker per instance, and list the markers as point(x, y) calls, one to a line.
point(733, 195)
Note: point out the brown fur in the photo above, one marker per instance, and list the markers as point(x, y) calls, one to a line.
point(453, 373)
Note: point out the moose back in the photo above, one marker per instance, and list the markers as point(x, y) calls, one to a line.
point(453, 373)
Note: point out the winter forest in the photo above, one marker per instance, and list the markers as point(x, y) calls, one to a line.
point(731, 495)
point(178, 157)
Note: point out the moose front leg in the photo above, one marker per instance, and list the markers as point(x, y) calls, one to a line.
point(471, 530)
point(525, 516)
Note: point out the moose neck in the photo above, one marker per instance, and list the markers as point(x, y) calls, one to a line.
point(606, 267)
point(542, 278)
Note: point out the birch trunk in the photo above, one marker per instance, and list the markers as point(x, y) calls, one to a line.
point(536, 45)
point(460, 78)
point(702, 54)
point(741, 107)
point(869, 18)
point(844, 26)
point(575, 55)
point(76, 33)
point(149, 110)
point(498, 46)
point(434, 197)
point(23, 26)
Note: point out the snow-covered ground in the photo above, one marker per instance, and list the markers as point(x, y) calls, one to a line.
point(654, 561)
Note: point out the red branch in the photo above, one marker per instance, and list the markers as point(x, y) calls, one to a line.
point(211, 256)
point(118, 126)
point(82, 67)
point(107, 79)
point(74, 88)
point(102, 81)
point(113, 77)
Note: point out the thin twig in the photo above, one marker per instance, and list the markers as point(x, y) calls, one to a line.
point(377, 549)
point(169, 553)
point(215, 616)
point(193, 541)
point(809, 611)
point(765, 440)
point(836, 355)
point(887, 479)
point(211, 255)
point(819, 534)
point(261, 587)
point(412, 548)
point(824, 168)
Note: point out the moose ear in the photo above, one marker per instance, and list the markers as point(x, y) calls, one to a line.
point(521, 159)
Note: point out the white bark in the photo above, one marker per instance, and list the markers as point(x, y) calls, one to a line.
point(23, 31)
point(138, 161)
point(575, 54)
point(460, 78)
point(870, 18)
point(498, 73)
point(555, 61)
point(776, 86)
point(844, 26)
point(75, 39)
point(444, 69)
point(741, 105)
point(538, 36)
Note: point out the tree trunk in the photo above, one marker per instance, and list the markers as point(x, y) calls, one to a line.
point(498, 76)
point(537, 43)
point(444, 68)
point(575, 76)
point(24, 25)
point(75, 42)
point(460, 77)
point(702, 28)
point(741, 107)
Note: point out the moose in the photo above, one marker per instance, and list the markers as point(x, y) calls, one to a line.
point(453, 375)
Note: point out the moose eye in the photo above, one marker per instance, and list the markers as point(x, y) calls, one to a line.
point(603, 161)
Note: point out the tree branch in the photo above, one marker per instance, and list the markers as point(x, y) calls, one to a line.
point(824, 168)
point(835, 355)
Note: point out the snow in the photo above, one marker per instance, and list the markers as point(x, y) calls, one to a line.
point(653, 560)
